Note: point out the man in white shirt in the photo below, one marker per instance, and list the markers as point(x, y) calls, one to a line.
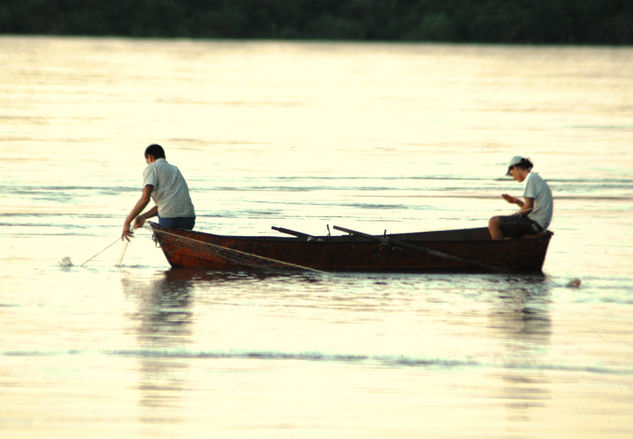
point(167, 187)
point(536, 211)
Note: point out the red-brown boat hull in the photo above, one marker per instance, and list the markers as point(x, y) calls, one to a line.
point(465, 251)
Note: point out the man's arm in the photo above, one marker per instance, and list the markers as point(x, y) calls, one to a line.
point(527, 206)
point(136, 210)
point(513, 200)
point(140, 220)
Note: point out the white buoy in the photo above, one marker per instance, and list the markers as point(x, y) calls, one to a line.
point(66, 262)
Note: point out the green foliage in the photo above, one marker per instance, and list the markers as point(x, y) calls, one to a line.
point(500, 21)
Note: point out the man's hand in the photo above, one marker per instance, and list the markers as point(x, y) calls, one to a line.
point(509, 198)
point(127, 233)
point(139, 222)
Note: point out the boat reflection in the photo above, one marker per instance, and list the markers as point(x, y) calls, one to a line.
point(181, 274)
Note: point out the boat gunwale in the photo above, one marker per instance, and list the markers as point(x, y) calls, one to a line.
point(426, 236)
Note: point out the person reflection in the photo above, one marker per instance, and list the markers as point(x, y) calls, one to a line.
point(520, 319)
point(163, 325)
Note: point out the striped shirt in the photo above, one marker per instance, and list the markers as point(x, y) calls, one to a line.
point(170, 193)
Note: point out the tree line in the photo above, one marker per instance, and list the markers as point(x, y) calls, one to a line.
point(490, 21)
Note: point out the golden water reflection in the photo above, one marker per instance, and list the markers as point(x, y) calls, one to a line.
point(521, 322)
point(163, 327)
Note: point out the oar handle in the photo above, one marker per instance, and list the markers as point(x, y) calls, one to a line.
point(293, 232)
point(353, 232)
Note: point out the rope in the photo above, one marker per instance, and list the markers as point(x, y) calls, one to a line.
point(98, 253)
point(123, 254)
point(240, 252)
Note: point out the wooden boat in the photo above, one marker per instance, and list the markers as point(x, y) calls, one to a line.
point(450, 251)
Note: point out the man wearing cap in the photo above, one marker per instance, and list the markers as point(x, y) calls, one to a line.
point(536, 211)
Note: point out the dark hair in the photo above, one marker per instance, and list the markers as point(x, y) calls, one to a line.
point(155, 151)
point(525, 164)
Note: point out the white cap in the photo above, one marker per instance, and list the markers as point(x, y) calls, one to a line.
point(514, 161)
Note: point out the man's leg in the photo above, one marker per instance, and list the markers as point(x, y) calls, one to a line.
point(494, 227)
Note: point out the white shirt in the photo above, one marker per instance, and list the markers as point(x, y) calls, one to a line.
point(170, 193)
point(538, 189)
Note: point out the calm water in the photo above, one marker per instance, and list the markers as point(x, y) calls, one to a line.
point(302, 135)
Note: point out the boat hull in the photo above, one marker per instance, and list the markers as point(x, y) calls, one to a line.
point(451, 251)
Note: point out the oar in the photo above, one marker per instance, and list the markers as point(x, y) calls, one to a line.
point(294, 233)
point(422, 249)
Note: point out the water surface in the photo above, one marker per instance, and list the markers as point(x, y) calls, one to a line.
point(400, 137)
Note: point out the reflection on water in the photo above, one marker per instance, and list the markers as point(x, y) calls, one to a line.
point(520, 319)
point(163, 325)
point(520, 312)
